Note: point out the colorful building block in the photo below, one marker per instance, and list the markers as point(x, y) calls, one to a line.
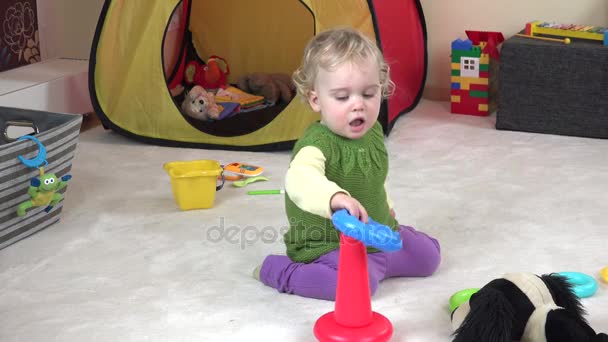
point(470, 65)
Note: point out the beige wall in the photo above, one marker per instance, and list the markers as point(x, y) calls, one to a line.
point(447, 21)
point(67, 27)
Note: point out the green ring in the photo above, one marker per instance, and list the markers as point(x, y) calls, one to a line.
point(461, 297)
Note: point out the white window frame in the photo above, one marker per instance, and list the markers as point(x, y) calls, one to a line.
point(469, 66)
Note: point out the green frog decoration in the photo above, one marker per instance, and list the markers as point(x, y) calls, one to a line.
point(43, 192)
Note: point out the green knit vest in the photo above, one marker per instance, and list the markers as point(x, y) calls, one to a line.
point(357, 166)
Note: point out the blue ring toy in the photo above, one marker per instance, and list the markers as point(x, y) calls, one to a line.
point(40, 159)
point(371, 234)
point(583, 285)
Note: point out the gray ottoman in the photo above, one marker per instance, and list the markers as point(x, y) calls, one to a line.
point(549, 87)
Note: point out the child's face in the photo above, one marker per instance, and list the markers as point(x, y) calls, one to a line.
point(348, 98)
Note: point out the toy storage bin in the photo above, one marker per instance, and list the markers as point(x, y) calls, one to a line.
point(59, 134)
point(194, 183)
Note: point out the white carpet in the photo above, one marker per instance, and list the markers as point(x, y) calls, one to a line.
point(124, 264)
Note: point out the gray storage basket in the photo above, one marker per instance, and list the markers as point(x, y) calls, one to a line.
point(59, 134)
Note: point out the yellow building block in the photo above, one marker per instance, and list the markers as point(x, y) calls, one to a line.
point(478, 80)
point(455, 98)
point(484, 59)
point(455, 66)
point(465, 81)
point(483, 107)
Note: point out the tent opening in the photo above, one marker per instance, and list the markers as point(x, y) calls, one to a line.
point(249, 39)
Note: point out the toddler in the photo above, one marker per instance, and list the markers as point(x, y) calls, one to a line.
point(341, 162)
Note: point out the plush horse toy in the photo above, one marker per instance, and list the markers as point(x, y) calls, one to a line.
point(524, 307)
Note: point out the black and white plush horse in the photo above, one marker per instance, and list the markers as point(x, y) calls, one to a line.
point(524, 307)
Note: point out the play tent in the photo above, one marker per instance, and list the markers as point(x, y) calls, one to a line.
point(130, 79)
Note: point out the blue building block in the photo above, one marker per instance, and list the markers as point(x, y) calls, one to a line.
point(464, 45)
point(455, 85)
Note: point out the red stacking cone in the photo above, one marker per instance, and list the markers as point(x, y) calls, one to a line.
point(353, 319)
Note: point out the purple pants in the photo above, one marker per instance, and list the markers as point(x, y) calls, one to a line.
point(419, 257)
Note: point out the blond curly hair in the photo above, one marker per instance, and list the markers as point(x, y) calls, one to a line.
point(329, 49)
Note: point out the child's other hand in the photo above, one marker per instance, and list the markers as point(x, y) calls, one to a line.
point(341, 200)
point(392, 213)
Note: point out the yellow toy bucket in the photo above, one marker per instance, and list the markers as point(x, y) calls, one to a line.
point(194, 182)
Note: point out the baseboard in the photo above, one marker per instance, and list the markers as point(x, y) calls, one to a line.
point(434, 93)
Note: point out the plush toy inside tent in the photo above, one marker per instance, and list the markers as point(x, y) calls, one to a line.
point(211, 74)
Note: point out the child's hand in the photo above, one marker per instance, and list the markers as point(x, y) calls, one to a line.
point(341, 200)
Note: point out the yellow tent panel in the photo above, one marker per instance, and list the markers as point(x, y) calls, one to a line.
point(127, 78)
